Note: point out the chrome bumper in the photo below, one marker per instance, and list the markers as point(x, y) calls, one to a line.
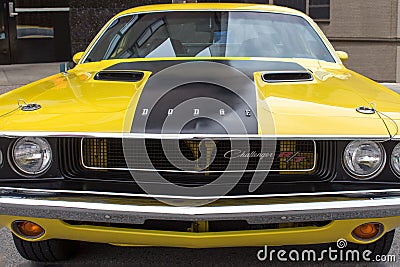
point(79, 207)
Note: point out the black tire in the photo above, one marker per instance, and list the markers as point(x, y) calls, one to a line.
point(380, 247)
point(46, 251)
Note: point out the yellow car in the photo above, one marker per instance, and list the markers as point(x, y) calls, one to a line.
point(201, 126)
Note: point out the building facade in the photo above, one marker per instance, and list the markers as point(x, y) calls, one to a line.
point(368, 30)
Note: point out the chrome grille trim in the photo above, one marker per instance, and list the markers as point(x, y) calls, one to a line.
point(82, 156)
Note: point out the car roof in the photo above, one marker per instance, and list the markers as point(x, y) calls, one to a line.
point(212, 6)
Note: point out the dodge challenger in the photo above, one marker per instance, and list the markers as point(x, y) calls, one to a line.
point(201, 126)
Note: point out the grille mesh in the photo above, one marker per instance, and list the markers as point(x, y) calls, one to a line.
point(71, 165)
point(197, 155)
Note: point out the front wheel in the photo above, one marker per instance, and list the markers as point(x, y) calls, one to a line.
point(46, 251)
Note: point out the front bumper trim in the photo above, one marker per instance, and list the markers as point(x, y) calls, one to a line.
point(137, 210)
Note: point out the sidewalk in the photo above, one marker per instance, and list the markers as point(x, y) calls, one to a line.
point(13, 76)
point(394, 86)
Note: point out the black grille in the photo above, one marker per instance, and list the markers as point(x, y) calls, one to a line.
point(213, 226)
point(198, 156)
point(106, 157)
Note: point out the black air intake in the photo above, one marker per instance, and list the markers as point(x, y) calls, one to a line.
point(119, 76)
point(276, 77)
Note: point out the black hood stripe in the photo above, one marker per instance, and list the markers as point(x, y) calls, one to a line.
point(221, 109)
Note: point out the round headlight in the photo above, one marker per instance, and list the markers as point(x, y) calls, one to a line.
point(395, 159)
point(364, 159)
point(32, 155)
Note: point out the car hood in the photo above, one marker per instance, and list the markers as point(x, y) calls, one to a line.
point(77, 102)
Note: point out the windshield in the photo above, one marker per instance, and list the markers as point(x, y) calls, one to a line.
point(209, 34)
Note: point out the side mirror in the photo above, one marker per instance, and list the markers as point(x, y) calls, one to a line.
point(342, 55)
point(77, 57)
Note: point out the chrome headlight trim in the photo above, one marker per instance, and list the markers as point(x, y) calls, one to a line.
point(44, 148)
point(395, 170)
point(371, 175)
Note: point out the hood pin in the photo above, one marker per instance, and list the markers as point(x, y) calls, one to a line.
point(365, 110)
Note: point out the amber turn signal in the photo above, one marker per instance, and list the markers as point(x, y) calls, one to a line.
point(28, 229)
point(368, 231)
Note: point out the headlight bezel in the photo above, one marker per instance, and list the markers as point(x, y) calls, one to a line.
point(371, 175)
point(392, 168)
point(14, 165)
point(1, 158)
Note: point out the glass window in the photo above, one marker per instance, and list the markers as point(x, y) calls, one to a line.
point(210, 34)
point(35, 25)
point(319, 9)
point(296, 4)
point(36, 19)
point(41, 3)
point(3, 25)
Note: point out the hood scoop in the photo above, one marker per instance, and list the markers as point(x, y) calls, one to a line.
point(119, 76)
point(287, 76)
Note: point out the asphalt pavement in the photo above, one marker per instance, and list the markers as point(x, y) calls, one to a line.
point(13, 76)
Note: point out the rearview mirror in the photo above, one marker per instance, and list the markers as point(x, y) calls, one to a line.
point(77, 57)
point(342, 55)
